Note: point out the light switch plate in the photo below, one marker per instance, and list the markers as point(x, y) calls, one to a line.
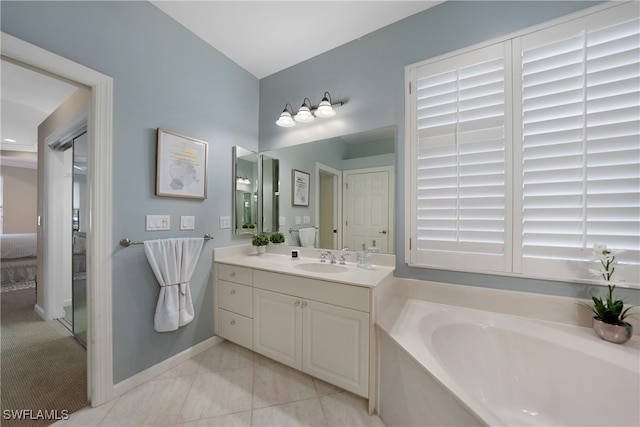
point(298, 220)
point(225, 222)
point(306, 219)
point(187, 222)
point(282, 220)
point(158, 222)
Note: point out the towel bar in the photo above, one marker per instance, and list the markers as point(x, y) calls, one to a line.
point(291, 230)
point(126, 242)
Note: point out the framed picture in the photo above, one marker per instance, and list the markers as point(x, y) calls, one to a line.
point(181, 166)
point(299, 188)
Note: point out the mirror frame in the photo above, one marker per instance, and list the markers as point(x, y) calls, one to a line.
point(239, 152)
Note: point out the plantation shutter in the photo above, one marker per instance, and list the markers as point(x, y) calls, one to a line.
point(580, 133)
point(459, 127)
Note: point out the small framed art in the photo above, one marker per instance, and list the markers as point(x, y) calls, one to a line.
point(299, 188)
point(181, 166)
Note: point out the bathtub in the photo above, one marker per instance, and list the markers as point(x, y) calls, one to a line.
point(443, 365)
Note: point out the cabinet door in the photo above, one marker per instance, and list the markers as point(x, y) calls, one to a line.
point(277, 327)
point(336, 345)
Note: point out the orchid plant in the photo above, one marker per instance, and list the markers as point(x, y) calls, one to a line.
point(610, 310)
point(607, 259)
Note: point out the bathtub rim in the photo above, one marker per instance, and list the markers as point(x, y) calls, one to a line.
point(396, 323)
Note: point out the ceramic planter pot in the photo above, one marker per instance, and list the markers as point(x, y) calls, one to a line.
point(261, 249)
point(613, 333)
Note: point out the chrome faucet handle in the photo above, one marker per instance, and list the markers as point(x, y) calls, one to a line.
point(332, 256)
point(323, 256)
point(342, 258)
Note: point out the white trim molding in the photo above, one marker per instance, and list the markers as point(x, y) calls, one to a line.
point(99, 239)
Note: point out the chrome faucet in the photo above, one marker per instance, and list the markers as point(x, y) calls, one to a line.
point(343, 255)
point(323, 256)
point(332, 256)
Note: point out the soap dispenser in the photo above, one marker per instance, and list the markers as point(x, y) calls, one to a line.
point(364, 258)
point(374, 249)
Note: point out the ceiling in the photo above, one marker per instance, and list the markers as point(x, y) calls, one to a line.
point(262, 37)
point(28, 97)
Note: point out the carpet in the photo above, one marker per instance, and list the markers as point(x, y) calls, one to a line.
point(43, 367)
point(17, 286)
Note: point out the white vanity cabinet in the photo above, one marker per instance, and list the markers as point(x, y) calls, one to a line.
point(234, 307)
point(320, 327)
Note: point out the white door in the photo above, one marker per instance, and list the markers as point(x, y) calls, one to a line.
point(336, 345)
point(277, 327)
point(369, 208)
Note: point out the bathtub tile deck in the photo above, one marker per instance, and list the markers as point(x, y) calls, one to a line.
point(228, 385)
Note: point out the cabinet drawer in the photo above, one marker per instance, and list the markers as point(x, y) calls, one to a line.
point(236, 328)
point(235, 297)
point(233, 273)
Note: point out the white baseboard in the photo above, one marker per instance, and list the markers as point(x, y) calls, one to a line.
point(39, 311)
point(160, 368)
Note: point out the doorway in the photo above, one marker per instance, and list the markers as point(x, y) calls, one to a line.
point(99, 303)
point(328, 206)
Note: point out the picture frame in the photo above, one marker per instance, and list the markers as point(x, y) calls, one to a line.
point(299, 188)
point(181, 166)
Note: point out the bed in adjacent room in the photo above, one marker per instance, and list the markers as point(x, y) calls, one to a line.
point(18, 258)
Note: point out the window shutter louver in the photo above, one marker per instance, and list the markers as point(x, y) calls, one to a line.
point(460, 160)
point(580, 146)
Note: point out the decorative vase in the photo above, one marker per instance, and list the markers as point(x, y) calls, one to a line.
point(617, 334)
point(261, 249)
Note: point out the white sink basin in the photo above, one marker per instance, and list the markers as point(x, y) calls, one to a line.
point(317, 267)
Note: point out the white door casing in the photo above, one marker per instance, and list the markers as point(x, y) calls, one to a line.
point(99, 190)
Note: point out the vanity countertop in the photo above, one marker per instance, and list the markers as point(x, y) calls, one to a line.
point(284, 264)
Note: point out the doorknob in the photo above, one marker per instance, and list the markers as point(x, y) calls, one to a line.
point(383, 232)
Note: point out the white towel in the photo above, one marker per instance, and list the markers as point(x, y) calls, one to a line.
point(173, 262)
point(307, 237)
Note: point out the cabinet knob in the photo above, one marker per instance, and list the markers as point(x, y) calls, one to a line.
point(304, 303)
point(233, 291)
point(232, 274)
point(297, 303)
point(233, 322)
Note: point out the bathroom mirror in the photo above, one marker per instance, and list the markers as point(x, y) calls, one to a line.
point(270, 194)
point(245, 191)
point(351, 191)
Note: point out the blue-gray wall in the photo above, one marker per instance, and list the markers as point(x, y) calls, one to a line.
point(369, 74)
point(164, 76)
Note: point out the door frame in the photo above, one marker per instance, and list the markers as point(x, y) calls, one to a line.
point(337, 201)
point(99, 189)
point(347, 194)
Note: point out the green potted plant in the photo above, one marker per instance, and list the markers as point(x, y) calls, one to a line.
point(276, 237)
point(609, 314)
point(260, 241)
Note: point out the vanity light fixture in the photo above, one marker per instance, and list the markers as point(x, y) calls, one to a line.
point(285, 120)
point(325, 109)
point(304, 113)
point(307, 113)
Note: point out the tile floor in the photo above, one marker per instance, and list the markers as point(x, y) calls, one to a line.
point(229, 385)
